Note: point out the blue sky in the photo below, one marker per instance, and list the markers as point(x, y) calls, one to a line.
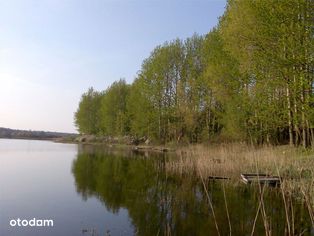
point(51, 51)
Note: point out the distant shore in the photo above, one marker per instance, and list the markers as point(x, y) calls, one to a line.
point(35, 135)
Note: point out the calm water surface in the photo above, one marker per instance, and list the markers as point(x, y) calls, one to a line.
point(91, 190)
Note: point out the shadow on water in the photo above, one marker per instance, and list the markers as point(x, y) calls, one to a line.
point(161, 204)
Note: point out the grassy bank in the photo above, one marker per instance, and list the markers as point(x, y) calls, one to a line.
point(231, 160)
point(294, 166)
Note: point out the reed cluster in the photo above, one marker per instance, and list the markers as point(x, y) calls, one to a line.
point(230, 160)
point(294, 166)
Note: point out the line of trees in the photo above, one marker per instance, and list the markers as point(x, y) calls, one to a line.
point(250, 78)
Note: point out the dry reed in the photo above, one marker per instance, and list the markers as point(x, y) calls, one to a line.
point(294, 166)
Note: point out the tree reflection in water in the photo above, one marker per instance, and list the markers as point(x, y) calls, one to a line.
point(164, 204)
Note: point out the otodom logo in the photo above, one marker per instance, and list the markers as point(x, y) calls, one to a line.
point(31, 223)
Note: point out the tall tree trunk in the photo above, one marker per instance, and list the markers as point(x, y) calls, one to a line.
point(303, 123)
point(289, 116)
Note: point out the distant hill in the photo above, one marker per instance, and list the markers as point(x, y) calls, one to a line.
point(30, 134)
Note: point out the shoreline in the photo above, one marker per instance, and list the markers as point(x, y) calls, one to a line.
point(229, 160)
point(116, 142)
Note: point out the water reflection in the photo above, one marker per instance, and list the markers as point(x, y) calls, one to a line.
point(161, 204)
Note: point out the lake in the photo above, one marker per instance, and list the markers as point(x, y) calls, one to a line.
point(93, 190)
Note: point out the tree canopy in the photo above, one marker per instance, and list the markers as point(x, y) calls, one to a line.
point(250, 79)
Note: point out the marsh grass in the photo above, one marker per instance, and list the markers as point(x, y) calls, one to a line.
point(230, 160)
point(294, 166)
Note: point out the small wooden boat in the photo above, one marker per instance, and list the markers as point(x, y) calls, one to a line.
point(261, 179)
point(218, 177)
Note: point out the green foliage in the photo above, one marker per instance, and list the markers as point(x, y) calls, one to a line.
point(113, 109)
point(140, 111)
point(87, 117)
point(250, 78)
point(273, 43)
